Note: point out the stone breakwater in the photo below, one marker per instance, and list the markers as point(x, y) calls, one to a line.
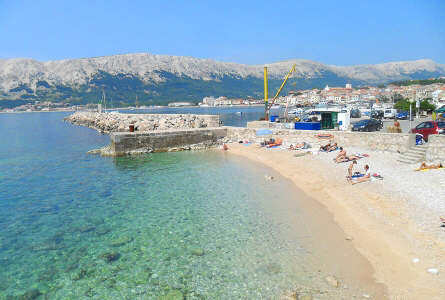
point(117, 122)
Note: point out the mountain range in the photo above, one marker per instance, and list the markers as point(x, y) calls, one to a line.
point(159, 79)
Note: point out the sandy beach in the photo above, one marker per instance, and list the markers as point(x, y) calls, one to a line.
point(394, 222)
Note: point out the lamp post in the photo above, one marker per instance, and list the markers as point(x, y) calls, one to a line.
point(410, 112)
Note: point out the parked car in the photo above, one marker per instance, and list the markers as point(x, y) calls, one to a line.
point(377, 114)
point(368, 125)
point(355, 113)
point(390, 113)
point(402, 115)
point(429, 127)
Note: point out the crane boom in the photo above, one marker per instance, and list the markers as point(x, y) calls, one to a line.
point(279, 90)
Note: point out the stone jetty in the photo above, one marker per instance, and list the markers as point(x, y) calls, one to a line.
point(152, 132)
point(118, 122)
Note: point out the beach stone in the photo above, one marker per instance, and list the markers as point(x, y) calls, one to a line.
point(173, 295)
point(110, 257)
point(120, 241)
point(290, 296)
point(433, 271)
point(332, 281)
point(30, 295)
point(198, 252)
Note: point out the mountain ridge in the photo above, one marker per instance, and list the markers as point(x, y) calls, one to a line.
point(149, 75)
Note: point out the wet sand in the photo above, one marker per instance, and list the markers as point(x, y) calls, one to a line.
point(381, 244)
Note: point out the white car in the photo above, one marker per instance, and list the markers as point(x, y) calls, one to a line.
point(390, 113)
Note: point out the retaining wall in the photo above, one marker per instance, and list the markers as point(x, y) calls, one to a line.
point(435, 148)
point(369, 140)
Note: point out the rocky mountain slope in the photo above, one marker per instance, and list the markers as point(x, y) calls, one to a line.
point(161, 78)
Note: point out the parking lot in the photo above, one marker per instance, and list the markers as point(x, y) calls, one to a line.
point(404, 124)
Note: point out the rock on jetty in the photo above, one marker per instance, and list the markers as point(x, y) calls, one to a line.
point(117, 122)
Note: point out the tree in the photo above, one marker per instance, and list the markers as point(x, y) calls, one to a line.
point(426, 105)
point(397, 97)
point(403, 105)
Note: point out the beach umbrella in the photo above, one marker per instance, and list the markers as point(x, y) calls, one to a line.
point(440, 110)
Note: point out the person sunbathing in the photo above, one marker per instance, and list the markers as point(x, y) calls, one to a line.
point(365, 178)
point(340, 156)
point(332, 148)
point(325, 147)
point(265, 143)
point(277, 142)
point(424, 166)
point(297, 146)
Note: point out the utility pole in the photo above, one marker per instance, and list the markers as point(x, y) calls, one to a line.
point(266, 96)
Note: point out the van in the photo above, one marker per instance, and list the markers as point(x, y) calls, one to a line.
point(390, 113)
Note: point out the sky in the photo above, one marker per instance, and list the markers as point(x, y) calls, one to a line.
point(249, 32)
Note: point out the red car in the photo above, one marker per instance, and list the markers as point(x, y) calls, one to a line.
point(429, 127)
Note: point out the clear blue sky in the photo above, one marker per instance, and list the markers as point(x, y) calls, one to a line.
point(251, 32)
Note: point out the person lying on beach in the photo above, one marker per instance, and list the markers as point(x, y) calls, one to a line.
point(265, 143)
point(325, 147)
point(347, 159)
point(340, 156)
point(350, 168)
point(333, 147)
point(365, 178)
point(424, 166)
point(299, 146)
point(278, 142)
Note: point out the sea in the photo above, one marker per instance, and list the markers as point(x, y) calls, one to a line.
point(183, 225)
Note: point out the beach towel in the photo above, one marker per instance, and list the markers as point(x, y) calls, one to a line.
point(263, 131)
point(357, 175)
point(424, 170)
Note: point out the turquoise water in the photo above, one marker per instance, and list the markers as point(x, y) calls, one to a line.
point(188, 224)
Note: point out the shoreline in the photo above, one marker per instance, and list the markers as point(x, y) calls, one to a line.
point(379, 229)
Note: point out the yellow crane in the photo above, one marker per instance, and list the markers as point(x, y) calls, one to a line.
point(266, 100)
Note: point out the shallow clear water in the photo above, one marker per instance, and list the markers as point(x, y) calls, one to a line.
point(75, 226)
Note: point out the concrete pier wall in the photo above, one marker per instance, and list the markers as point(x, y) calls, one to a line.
point(166, 140)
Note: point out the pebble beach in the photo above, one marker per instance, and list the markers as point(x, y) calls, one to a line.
point(393, 222)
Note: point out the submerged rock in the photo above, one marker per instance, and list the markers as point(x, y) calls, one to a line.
point(290, 296)
point(173, 295)
point(109, 257)
point(273, 268)
point(198, 252)
point(30, 295)
point(120, 241)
